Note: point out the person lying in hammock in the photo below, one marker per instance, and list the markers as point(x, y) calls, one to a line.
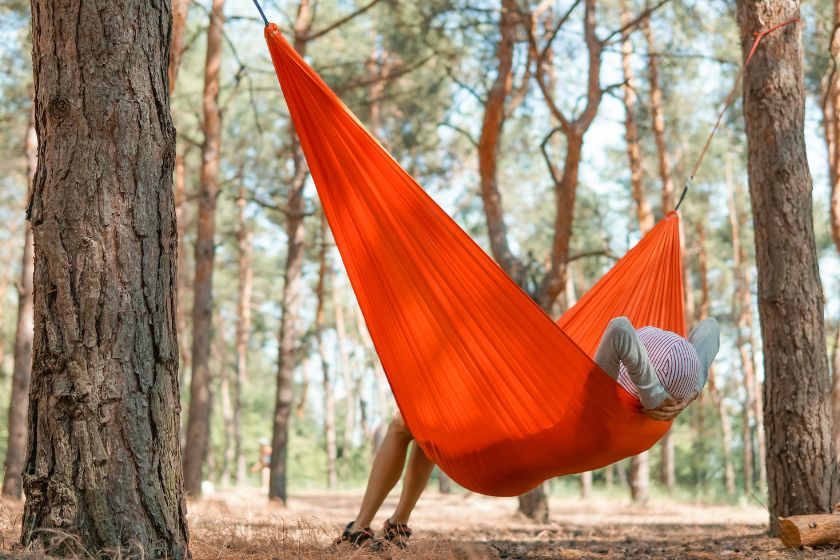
point(663, 370)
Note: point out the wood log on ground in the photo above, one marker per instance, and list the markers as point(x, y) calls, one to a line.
point(810, 530)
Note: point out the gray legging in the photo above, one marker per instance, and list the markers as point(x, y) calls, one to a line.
point(621, 345)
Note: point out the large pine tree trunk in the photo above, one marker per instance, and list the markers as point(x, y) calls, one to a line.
point(103, 456)
point(802, 473)
point(291, 291)
point(179, 26)
point(19, 402)
point(198, 423)
point(243, 331)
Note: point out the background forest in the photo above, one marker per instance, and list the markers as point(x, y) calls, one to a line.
point(423, 77)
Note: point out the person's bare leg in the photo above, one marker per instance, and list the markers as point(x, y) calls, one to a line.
point(416, 478)
point(386, 471)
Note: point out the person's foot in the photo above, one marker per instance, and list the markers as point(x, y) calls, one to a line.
point(396, 533)
point(357, 539)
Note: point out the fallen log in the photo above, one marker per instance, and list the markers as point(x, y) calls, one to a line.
point(810, 530)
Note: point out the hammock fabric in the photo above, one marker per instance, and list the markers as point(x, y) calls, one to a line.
point(496, 394)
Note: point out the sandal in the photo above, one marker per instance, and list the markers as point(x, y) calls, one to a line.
point(397, 533)
point(355, 538)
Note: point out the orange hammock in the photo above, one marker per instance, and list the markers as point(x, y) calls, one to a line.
point(492, 389)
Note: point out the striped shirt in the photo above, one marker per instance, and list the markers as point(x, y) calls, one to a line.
point(673, 358)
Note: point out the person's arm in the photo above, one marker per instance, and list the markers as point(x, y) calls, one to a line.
point(621, 345)
point(706, 341)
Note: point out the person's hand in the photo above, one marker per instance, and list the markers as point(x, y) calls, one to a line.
point(670, 408)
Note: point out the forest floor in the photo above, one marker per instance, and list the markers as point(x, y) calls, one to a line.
point(242, 525)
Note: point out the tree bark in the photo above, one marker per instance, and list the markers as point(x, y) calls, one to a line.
point(643, 210)
point(717, 395)
point(329, 396)
point(295, 210)
point(198, 422)
point(810, 530)
point(19, 401)
point(243, 330)
point(640, 478)
point(659, 122)
point(444, 483)
point(341, 335)
point(103, 456)
point(797, 412)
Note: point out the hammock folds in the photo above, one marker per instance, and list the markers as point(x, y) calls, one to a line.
point(496, 394)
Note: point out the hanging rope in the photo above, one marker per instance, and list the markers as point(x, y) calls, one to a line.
point(265, 19)
point(725, 107)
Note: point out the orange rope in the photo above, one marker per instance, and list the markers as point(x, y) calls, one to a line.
point(728, 101)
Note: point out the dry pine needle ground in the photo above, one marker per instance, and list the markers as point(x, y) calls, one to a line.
point(241, 525)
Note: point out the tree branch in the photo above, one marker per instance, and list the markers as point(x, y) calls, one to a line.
point(342, 21)
point(551, 167)
point(462, 131)
point(586, 254)
point(635, 22)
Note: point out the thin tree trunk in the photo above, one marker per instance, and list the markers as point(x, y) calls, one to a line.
point(103, 458)
point(740, 317)
point(609, 476)
point(19, 400)
point(304, 391)
point(4, 281)
point(717, 395)
point(640, 478)
point(831, 123)
point(382, 386)
point(227, 405)
point(350, 424)
point(243, 331)
point(797, 410)
point(444, 483)
point(622, 474)
point(643, 210)
point(183, 283)
point(758, 388)
point(585, 485)
point(329, 397)
point(659, 122)
point(489, 141)
point(296, 206)
point(179, 26)
point(198, 423)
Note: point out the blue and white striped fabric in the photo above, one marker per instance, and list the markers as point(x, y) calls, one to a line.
point(673, 358)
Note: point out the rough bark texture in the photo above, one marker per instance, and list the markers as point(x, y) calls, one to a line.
point(243, 331)
point(802, 465)
point(329, 396)
point(659, 122)
point(19, 402)
point(291, 291)
point(198, 422)
point(643, 210)
point(103, 456)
